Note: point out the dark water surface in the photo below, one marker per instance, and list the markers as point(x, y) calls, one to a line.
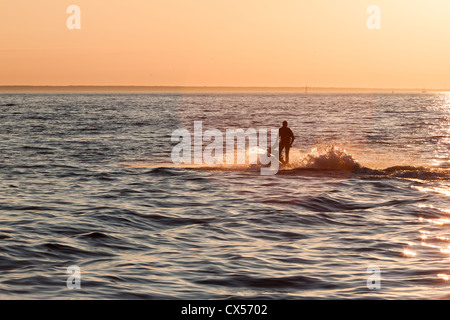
point(86, 180)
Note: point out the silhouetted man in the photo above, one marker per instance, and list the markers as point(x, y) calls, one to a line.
point(286, 140)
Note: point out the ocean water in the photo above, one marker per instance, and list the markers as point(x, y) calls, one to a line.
point(87, 180)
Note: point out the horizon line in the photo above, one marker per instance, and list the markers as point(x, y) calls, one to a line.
point(164, 88)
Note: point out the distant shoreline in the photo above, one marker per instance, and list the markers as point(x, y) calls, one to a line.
point(200, 89)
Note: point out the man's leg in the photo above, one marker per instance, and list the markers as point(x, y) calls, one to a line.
point(287, 148)
point(280, 156)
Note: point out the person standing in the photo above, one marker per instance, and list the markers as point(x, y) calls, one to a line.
point(286, 138)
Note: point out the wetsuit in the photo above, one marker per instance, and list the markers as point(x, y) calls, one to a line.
point(285, 135)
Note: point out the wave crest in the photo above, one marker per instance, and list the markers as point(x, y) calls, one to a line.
point(328, 157)
point(334, 157)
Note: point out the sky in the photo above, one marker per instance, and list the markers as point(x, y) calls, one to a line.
point(270, 43)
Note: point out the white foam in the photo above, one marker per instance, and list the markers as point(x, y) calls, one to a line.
point(328, 157)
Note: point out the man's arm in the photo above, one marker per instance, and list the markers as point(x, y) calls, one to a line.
point(292, 137)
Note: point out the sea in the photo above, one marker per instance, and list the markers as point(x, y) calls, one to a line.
point(92, 205)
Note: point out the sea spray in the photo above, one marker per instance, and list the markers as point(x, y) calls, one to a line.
point(329, 157)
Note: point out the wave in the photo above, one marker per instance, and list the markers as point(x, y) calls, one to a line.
point(410, 172)
point(336, 158)
point(328, 159)
point(333, 157)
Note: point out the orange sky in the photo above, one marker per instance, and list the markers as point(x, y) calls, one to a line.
point(226, 43)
